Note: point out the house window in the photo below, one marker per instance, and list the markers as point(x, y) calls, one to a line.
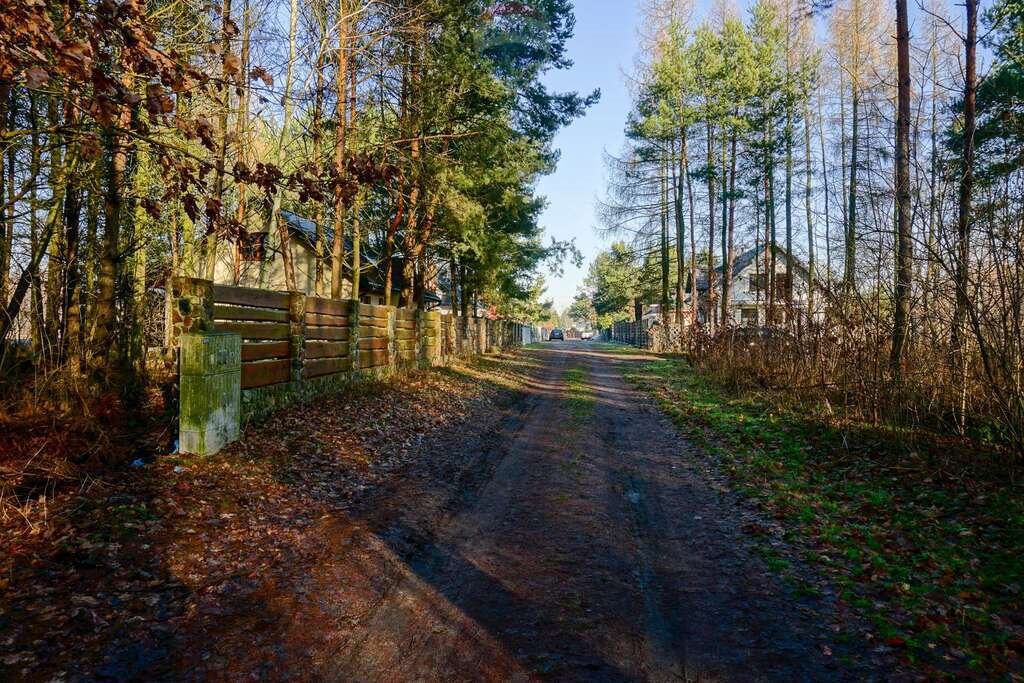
point(781, 285)
point(759, 283)
point(252, 246)
point(748, 316)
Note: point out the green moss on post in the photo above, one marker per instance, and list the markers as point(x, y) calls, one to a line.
point(211, 388)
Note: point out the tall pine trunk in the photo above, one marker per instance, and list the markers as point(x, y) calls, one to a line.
point(963, 231)
point(341, 157)
point(904, 246)
point(220, 155)
point(712, 209)
point(850, 239)
point(274, 218)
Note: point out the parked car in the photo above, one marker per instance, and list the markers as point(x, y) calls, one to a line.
point(586, 336)
point(556, 334)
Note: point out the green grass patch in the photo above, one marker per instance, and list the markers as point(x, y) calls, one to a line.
point(580, 393)
point(932, 560)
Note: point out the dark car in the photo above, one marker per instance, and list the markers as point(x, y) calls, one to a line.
point(556, 334)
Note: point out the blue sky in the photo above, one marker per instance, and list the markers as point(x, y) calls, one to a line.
point(603, 48)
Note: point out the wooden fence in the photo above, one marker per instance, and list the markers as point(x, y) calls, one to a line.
point(292, 339)
point(261, 318)
point(326, 337)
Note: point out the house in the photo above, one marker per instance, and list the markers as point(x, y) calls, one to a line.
point(256, 260)
point(748, 296)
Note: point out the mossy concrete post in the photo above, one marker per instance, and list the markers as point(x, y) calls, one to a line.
point(297, 332)
point(353, 336)
point(211, 391)
point(192, 308)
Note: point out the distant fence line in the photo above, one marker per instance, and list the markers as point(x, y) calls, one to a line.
point(658, 337)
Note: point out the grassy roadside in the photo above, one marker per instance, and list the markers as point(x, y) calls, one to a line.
point(932, 558)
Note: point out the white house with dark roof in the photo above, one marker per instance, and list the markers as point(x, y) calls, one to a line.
point(748, 297)
point(257, 261)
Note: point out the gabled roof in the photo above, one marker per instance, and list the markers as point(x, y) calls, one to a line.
point(305, 229)
point(746, 259)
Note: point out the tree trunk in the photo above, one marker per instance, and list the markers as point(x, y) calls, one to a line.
point(664, 209)
point(677, 193)
point(104, 331)
point(850, 239)
point(808, 193)
point(963, 232)
point(341, 157)
point(828, 192)
point(220, 157)
point(711, 228)
point(243, 136)
point(693, 238)
point(317, 134)
point(389, 244)
point(730, 253)
point(904, 247)
point(789, 202)
point(357, 237)
point(933, 174)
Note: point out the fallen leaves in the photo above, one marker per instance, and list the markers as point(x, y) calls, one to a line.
point(156, 556)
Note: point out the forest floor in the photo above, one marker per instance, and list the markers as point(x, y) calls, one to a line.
point(534, 515)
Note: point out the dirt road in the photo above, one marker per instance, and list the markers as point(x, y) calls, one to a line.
point(548, 523)
point(584, 542)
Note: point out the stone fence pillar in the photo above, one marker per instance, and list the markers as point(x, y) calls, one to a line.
point(191, 308)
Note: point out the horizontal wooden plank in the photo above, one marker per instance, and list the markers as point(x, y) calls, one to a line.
point(324, 320)
point(270, 331)
point(229, 312)
point(405, 315)
point(245, 296)
point(369, 310)
point(265, 350)
point(371, 331)
point(371, 343)
point(373, 359)
point(325, 366)
point(405, 324)
point(372, 321)
point(325, 349)
point(337, 307)
point(328, 333)
point(265, 373)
